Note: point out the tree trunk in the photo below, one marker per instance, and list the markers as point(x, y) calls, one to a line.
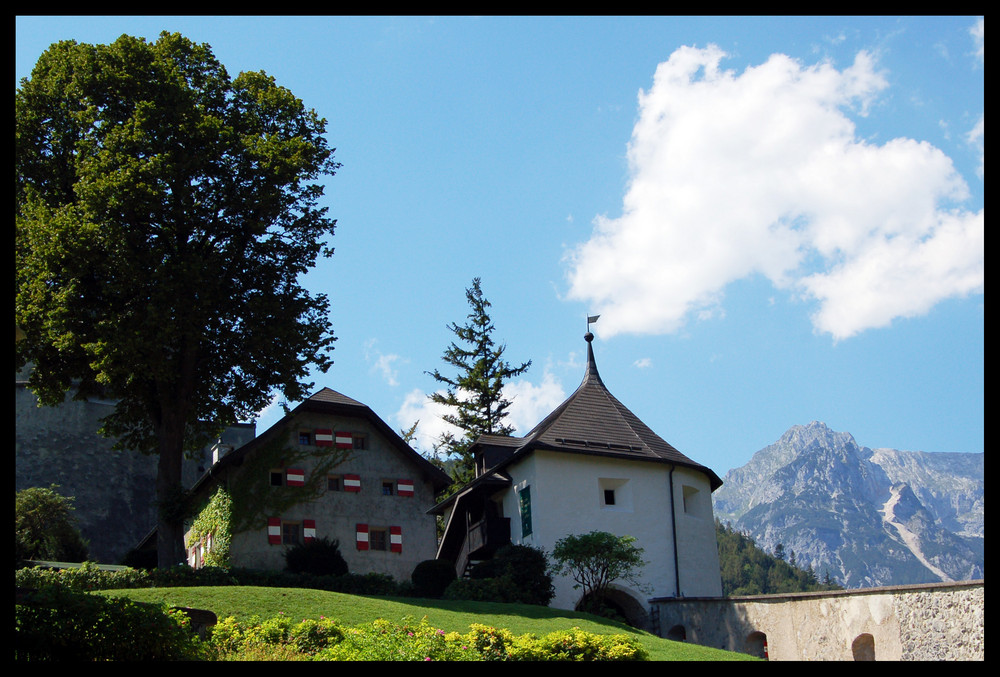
point(169, 493)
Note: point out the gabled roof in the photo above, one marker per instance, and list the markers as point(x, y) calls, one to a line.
point(327, 401)
point(593, 421)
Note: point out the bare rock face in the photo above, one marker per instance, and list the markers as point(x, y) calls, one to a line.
point(867, 517)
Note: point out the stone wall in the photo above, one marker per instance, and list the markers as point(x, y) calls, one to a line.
point(928, 622)
point(114, 492)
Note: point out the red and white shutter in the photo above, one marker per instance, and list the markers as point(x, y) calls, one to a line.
point(396, 539)
point(362, 536)
point(404, 487)
point(274, 530)
point(345, 441)
point(295, 477)
point(352, 483)
point(324, 437)
point(308, 530)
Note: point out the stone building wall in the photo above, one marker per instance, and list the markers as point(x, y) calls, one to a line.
point(929, 622)
point(114, 492)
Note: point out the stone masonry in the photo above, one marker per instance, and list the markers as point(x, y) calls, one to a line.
point(938, 622)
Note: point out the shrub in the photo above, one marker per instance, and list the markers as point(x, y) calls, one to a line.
point(274, 638)
point(320, 557)
point(89, 577)
point(85, 577)
point(58, 624)
point(474, 590)
point(522, 575)
point(431, 577)
point(382, 640)
point(492, 644)
point(311, 636)
point(45, 528)
point(577, 645)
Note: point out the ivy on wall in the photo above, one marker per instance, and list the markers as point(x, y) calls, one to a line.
point(252, 496)
point(214, 521)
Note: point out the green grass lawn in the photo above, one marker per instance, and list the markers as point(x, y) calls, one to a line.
point(297, 603)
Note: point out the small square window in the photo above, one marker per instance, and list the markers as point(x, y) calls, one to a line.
point(360, 441)
point(305, 437)
point(378, 539)
point(388, 488)
point(334, 483)
point(614, 494)
point(277, 478)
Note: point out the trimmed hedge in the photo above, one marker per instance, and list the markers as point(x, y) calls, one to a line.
point(89, 577)
point(382, 640)
point(59, 624)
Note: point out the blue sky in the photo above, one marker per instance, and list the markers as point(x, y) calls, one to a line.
point(779, 220)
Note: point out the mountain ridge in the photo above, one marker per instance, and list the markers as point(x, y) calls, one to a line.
point(868, 517)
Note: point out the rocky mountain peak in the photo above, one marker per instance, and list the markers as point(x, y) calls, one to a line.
point(867, 517)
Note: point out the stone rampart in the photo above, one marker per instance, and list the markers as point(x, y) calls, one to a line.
point(943, 621)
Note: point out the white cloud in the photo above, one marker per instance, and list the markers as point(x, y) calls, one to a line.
point(270, 414)
point(643, 363)
point(530, 403)
point(418, 408)
point(977, 139)
point(760, 172)
point(978, 32)
point(382, 363)
point(977, 136)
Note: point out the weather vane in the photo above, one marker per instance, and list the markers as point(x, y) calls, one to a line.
point(590, 320)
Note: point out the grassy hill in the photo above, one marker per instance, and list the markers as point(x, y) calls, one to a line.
point(245, 602)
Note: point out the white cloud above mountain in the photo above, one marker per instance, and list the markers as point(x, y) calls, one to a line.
point(762, 172)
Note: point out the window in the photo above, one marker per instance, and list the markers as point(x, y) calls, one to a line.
point(277, 478)
point(360, 441)
point(378, 538)
point(291, 533)
point(524, 500)
point(305, 437)
point(334, 483)
point(614, 494)
point(388, 488)
point(694, 502)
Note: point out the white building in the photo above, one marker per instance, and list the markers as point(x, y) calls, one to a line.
point(591, 465)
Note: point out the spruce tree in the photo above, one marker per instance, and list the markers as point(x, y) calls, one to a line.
point(474, 395)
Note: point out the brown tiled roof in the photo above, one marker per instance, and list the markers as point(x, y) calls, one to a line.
point(329, 401)
point(333, 397)
point(593, 421)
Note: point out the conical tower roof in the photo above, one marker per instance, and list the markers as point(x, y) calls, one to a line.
point(593, 421)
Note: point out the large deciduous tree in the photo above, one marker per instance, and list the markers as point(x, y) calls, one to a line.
point(474, 395)
point(165, 213)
